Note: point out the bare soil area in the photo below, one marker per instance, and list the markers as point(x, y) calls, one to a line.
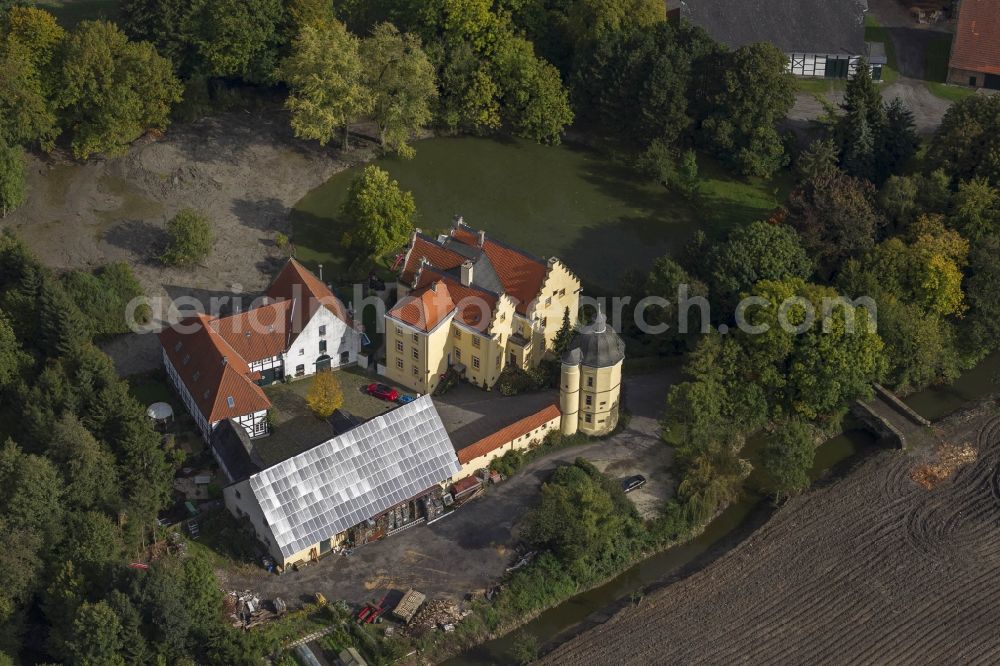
point(874, 568)
point(243, 171)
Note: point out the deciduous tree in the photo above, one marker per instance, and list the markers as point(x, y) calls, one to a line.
point(760, 251)
point(325, 74)
point(741, 96)
point(12, 188)
point(402, 82)
point(112, 90)
point(190, 239)
point(788, 456)
point(967, 143)
point(379, 213)
point(835, 217)
point(535, 103)
point(238, 38)
point(324, 396)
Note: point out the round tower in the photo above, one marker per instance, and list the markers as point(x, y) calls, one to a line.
point(590, 388)
point(569, 393)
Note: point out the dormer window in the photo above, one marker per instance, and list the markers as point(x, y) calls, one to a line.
point(178, 346)
point(187, 358)
point(197, 374)
point(206, 394)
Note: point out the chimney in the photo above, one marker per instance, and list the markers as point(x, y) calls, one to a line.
point(225, 360)
point(482, 238)
point(467, 273)
point(457, 221)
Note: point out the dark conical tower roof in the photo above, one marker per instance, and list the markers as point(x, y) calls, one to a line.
point(595, 346)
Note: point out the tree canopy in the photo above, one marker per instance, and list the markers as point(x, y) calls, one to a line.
point(379, 213)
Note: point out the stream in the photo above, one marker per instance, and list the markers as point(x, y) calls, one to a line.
point(833, 459)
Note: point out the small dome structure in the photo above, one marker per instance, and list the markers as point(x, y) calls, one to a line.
point(595, 345)
point(160, 412)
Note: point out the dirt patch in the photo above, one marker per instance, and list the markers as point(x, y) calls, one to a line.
point(949, 459)
point(243, 171)
point(870, 569)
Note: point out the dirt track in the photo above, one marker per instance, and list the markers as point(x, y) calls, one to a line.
point(871, 569)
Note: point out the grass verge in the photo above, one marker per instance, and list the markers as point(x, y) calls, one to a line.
point(874, 32)
point(936, 71)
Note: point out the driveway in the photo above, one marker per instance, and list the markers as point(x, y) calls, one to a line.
point(470, 548)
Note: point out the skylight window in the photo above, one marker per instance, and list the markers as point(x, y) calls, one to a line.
point(230, 401)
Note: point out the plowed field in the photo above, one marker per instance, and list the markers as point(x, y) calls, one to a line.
point(873, 569)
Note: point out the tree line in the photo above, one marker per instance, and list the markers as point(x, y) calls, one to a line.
point(83, 476)
point(868, 216)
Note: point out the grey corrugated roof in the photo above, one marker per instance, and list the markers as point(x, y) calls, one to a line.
point(355, 476)
point(596, 346)
point(833, 27)
point(234, 448)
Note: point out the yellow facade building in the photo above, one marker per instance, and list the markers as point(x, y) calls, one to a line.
point(590, 380)
point(469, 302)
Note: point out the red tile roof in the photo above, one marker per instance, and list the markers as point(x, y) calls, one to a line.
point(257, 334)
point(296, 283)
point(211, 356)
point(435, 253)
point(521, 274)
point(424, 308)
point(475, 305)
point(508, 434)
point(977, 37)
point(212, 370)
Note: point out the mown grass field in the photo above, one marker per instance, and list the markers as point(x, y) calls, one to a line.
point(566, 201)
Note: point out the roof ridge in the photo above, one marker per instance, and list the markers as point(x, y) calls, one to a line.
point(445, 276)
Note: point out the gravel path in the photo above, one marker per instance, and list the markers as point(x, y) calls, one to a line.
point(871, 569)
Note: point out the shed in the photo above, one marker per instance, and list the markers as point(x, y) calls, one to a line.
point(409, 605)
point(350, 657)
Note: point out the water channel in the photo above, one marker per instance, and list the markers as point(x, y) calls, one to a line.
point(833, 458)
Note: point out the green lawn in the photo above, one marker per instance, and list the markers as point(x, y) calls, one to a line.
point(936, 71)
point(153, 387)
point(71, 12)
point(568, 201)
point(874, 32)
point(224, 543)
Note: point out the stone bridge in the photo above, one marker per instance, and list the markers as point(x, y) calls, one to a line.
point(893, 420)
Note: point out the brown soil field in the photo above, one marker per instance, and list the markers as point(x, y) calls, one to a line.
point(243, 171)
point(873, 568)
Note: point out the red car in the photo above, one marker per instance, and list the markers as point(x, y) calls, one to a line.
point(383, 392)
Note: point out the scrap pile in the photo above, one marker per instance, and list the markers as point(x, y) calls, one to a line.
point(949, 459)
point(247, 609)
point(436, 614)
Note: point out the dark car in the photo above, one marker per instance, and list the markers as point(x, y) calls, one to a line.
point(383, 392)
point(633, 482)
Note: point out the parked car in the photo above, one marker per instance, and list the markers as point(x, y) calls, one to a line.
point(406, 398)
point(383, 392)
point(633, 482)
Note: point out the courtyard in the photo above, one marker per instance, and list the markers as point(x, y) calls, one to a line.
point(296, 429)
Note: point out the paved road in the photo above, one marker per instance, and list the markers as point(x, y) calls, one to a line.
point(471, 548)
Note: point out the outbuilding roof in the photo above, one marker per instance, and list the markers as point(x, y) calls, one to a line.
point(834, 27)
point(977, 37)
point(355, 476)
point(515, 430)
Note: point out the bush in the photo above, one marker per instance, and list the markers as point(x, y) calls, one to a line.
point(103, 297)
point(449, 380)
point(280, 241)
point(190, 239)
point(514, 380)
